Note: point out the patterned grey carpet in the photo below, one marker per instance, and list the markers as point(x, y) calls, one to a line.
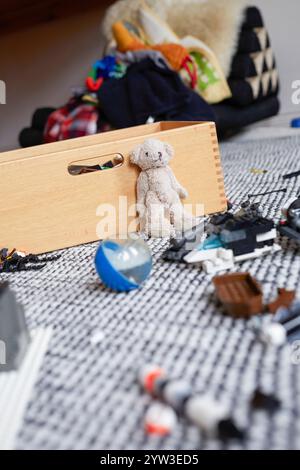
point(87, 396)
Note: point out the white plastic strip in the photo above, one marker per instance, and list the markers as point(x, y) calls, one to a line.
point(258, 252)
point(16, 388)
point(263, 237)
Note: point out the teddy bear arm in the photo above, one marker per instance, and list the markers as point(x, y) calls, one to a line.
point(181, 191)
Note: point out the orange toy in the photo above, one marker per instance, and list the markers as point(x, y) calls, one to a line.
point(175, 54)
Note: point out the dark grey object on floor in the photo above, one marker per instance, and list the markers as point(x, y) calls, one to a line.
point(14, 335)
point(231, 118)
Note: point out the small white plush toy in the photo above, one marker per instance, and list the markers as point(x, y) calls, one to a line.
point(158, 192)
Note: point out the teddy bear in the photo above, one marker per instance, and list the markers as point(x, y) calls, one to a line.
point(159, 194)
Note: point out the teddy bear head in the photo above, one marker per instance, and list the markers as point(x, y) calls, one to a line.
point(152, 153)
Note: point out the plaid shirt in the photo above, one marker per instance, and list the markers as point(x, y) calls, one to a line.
point(73, 120)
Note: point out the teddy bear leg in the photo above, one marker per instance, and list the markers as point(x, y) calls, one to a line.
point(143, 223)
point(158, 225)
point(189, 221)
point(181, 220)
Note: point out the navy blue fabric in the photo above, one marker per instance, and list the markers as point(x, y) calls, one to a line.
point(230, 117)
point(147, 90)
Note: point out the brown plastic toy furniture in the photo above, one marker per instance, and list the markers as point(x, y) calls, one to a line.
point(240, 294)
point(284, 299)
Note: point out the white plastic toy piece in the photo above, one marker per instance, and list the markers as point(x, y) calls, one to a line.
point(220, 259)
point(263, 237)
point(206, 413)
point(258, 252)
point(273, 334)
point(212, 261)
point(160, 419)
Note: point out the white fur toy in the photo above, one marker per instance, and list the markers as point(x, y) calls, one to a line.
point(216, 22)
point(158, 191)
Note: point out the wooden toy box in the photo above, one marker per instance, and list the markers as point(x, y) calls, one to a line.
point(46, 206)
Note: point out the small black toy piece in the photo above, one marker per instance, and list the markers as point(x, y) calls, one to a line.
point(179, 248)
point(14, 335)
point(13, 261)
point(263, 401)
point(294, 174)
point(267, 193)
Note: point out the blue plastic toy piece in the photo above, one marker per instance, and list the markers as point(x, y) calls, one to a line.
point(123, 267)
point(282, 314)
point(105, 67)
point(295, 122)
point(211, 243)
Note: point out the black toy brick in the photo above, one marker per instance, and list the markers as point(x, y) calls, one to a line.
point(179, 248)
point(263, 401)
point(240, 233)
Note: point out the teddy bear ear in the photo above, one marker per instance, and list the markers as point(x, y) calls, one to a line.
point(169, 150)
point(135, 155)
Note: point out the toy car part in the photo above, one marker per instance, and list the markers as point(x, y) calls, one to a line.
point(202, 256)
point(245, 234)
point(179, 248)
point(212, 261)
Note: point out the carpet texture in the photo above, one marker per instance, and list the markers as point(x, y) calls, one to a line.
point(87, 395)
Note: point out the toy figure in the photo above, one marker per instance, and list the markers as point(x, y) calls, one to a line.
point(158, 191)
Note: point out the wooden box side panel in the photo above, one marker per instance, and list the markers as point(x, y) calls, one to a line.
point(46, 208)
point(97, 139)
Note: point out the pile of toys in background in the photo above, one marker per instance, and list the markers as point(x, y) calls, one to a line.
point(153, 75)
